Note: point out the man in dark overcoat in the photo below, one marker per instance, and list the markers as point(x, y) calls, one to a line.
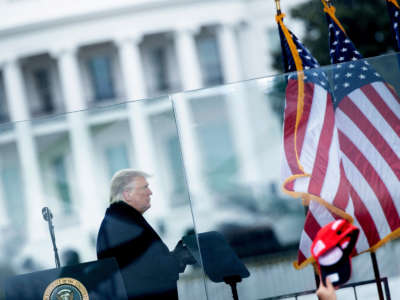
point(148, 268)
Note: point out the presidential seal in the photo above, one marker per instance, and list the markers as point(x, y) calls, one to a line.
point(66, 289)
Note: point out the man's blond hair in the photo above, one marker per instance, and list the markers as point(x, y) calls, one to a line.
point(123, 180)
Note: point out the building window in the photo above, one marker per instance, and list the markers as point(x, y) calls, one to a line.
point(100, 69)
point(61, 183)
point(14, 196)
point(43, 90)
point(159, 60)
point(209, 58)
point(117, 159)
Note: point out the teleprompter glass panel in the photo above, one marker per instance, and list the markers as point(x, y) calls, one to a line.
point(231, 144)
point(231, 139)
point(57, 169)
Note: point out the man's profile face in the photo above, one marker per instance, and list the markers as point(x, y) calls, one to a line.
point(139, 196)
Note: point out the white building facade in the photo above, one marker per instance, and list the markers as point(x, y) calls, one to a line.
point(90, 58)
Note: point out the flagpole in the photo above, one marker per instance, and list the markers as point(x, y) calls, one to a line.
point(278, 7)
point(377, 275)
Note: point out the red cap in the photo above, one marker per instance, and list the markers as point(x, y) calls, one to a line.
point(333, 234)
point(332, 249)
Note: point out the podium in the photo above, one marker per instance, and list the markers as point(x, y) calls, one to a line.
point(220, 262)
point(96, 280)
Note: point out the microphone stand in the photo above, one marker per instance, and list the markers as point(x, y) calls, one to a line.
point(48, 216)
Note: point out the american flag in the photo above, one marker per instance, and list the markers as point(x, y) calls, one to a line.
point(367, 113)
point(394, 12)
point(355, 167)
point(311, 166)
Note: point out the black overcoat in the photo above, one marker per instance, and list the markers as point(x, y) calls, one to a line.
point(148, 269)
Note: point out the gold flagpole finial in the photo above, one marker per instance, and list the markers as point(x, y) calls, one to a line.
point(278, 7)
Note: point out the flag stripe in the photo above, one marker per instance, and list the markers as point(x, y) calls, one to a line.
point(366, 221)
point(290, 122)
point(382, 107)
point(325, 141)
point(341, 199)
point(289, 131)
point(307, 132)
point(371, 132)
point(368, 196)
point(305, 244)
point(362, 242)
point(332, 183)
point(394, 101)
point(379, 164)
point(285, 169)
point(303, 125)
point(301, 257)
point(321, 214)
point(312, 225)
point(372, 115)
point(372, 177)
point(288, 142)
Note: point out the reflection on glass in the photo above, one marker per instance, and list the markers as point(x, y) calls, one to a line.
point(61, 182)
point(66, 162)
point(11, 182)
point(238, 129)
point(4, 117)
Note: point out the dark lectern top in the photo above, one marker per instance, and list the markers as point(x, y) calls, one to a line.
point(219, 260)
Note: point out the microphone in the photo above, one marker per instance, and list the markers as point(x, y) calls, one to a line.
point(47, 215)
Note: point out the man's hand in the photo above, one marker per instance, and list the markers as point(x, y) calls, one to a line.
point(183, 256)
point(326, 292)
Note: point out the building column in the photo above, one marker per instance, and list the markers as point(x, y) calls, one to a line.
point(255, 35)
point(188, 61)
point(28, 157)
point(229, 53)
point(238, 104)
point(190, 72)
point(143, 145)
point(192, 159)
point(89, 207)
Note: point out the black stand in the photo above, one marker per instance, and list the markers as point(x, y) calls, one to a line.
point(232, 282)
point(48, 216)
point(220, 262)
